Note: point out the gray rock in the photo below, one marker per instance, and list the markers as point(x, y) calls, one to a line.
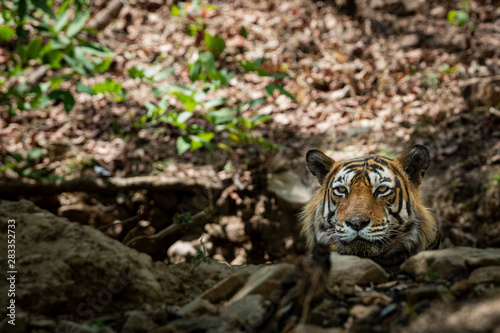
point(354, 270)
point(73, 269)
point(482, 317)
point(449, 264)
point(249, 308)
point(489, 274)
point(265, 281)
point(288, 187)
point(138, 322)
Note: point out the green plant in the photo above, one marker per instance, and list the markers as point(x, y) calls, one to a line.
point(37, 34)
point(199, 118)
point(431, 80)
point(25, 165)
point(461, 17)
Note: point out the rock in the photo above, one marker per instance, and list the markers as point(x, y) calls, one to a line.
point(362, 312)
point(181, 251)
point(138, 322)
point(227, 287)
point(425, 292)
point(264, 281)
point(288, 187)
point(234, 228)
point(449, 264)
point(69, 326)
point(203, 323)
point(412, 5)
point(354, 270)
point(374, 298)
point(482, 91)
point(490, 274)
point(21, 322)
point(246, 310)
point(439, 12)
point(73, 269)
point(308, 328)
point(482, 317)
point(197, 307)
point(409, 41)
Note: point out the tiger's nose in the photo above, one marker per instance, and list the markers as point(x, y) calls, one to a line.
point(357, 223)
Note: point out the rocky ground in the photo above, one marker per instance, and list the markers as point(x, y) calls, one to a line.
point(73, 278)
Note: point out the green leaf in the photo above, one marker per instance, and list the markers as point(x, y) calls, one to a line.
point(184, 116)
point(53, 58)
point(42, 4)
point(151, 71)
point(278, 75)
point(109, 86)
point(182, 145)
point(65, 97)
point(83, 88)
point(22, 34)
point(136, 73)
point(35, 154)
point(215, 102)
point(160, 91)
point(221, 116)
point(188, 102)
point(174, 10)
point(195, 70)
point(163, 74)
point(18, 157)
point(103, 65)
point(255, 102)
point(462, 18)
point(251, 67)
point(22, 8)
point(96, 49)
point(77, 23)
point(61, 20)
point(201, 139)
point(272, 87)
point(34, 47)
point(451, 16)
point(215, 44)
point(73, 63)
point(243, 32)
point(6, 33)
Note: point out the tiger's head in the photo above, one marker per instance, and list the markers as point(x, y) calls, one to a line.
point(370, 206)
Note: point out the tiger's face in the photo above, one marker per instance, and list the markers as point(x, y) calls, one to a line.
point(370, 206)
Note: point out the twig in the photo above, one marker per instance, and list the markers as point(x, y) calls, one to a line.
point(170, 230)
point(132, 219)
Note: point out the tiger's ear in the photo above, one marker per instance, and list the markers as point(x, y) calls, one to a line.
point(319, 164)
point(415, 161)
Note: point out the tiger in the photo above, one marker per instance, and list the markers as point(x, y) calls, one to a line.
point(370, 207)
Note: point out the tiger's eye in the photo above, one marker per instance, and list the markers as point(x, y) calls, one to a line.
point(342, 189)
point(382, 189)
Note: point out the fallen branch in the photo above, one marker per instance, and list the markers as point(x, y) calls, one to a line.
point(113, 184)
point(175, 229)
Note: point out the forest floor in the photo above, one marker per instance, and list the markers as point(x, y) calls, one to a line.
point(373, 80)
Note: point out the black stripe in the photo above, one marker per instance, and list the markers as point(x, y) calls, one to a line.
point(408, 205)
point(399, 193)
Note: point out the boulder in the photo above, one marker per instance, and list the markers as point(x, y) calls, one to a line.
point(489, 274)
point(289, 188)
point(354, 270)
point(66, 268)
point(449, 264)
